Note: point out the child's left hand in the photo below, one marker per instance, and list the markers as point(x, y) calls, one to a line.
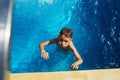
point(75, 65)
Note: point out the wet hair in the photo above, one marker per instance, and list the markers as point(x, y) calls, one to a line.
point(66, 31)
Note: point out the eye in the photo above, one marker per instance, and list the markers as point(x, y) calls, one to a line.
point(60, 40)
point(65, 40)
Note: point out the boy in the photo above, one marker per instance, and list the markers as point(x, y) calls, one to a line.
point(63, 41)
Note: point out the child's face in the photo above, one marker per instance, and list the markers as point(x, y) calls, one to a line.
point(64, 41)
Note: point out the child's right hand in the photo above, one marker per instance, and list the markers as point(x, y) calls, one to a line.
point(45, 55)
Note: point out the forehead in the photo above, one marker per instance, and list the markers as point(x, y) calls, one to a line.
point(66, 38)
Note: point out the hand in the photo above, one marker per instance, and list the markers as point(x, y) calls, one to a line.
point(75, 65)
point(45, 55)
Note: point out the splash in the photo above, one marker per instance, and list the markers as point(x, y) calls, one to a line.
point(46, 1)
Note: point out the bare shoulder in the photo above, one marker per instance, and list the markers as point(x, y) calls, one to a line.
point(53, 40)
point(71, 44)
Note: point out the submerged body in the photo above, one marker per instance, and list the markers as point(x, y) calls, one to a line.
point(64, 42)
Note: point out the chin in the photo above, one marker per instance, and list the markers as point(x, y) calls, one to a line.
point(64, 46)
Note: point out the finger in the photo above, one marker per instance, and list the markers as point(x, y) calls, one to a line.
point(76, 67)
point(73, 66)
point(42, 55)
point(46, 57)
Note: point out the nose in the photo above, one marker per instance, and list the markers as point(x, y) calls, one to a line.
point(63, 42)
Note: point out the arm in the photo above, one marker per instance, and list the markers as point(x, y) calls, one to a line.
point(75, 52)
point(45, 54)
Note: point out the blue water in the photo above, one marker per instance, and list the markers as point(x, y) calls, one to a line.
point(96, 34)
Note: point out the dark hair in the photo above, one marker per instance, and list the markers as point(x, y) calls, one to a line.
point(66, 31)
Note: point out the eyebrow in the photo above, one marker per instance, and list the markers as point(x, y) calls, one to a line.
point(63, 40)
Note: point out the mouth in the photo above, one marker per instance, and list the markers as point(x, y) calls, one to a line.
point(63, 46)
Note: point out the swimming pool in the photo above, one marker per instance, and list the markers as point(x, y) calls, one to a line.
point(41, 20)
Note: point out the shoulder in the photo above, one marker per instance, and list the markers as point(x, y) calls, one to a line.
point(71, 44)
point(53, 40)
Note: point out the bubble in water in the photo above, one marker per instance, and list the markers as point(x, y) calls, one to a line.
point(112, 32)
point(109, 0)
point(114, 39)
point(114, 18)
point(95, 12)
point(102, 38)
point(73, 7)
point(109, 43)
point(46, 1)
point(119, 39)
point(116, 12)
point(114, 27)
point(96, 3)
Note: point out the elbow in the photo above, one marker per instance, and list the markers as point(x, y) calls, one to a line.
point(81, 61)
point(40, 45)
